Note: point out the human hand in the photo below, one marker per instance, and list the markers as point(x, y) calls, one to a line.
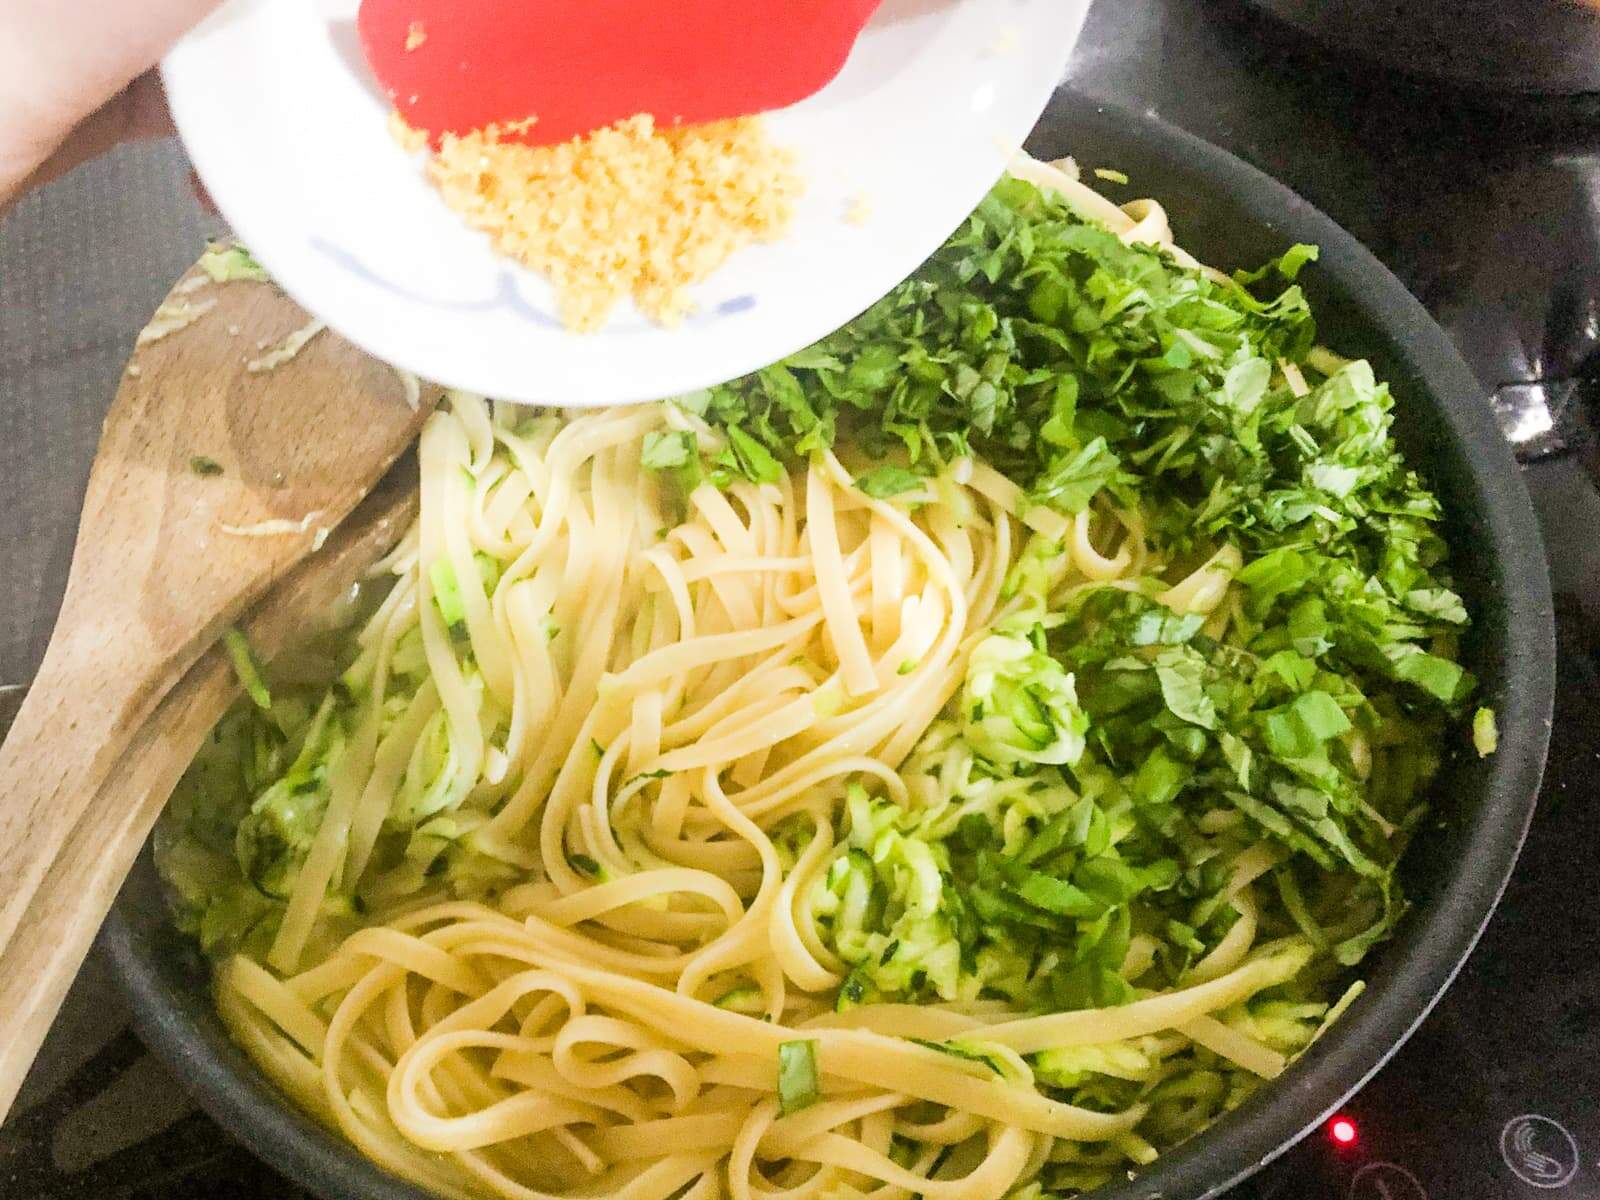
point(75, 80)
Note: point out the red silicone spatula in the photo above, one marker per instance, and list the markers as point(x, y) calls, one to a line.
point(576, 65)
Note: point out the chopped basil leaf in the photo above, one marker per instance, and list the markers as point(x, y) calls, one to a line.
point(664, 450)
point(883, 482)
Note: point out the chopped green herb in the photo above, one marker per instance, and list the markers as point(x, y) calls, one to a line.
point(1107, 756)
point(201, 465)
point(883, 482)
point(1287, 266)
point(666, 450)
point(747, 456)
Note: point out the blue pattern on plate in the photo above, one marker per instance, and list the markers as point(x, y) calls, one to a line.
point(508, 296)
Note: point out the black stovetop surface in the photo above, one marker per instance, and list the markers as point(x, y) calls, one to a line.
point(1492, 216)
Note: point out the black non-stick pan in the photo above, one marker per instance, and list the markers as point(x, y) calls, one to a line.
point(1227, 214)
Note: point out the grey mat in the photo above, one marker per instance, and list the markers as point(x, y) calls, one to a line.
point(82, 263)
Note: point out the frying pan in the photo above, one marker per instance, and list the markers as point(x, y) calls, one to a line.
point(1511, 47)
point(1230, 215)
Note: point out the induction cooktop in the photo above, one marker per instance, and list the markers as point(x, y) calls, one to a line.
point(1491, 214)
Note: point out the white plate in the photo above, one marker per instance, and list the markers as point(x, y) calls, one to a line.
point(289, 134)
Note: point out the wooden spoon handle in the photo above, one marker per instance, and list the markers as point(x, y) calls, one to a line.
point(56, 922)
point(212, 480)
point(73, 725)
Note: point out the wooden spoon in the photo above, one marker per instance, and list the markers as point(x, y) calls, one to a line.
point(171, 549)
point(64, 913)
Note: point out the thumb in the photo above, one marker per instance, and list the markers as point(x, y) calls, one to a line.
point(60, 60)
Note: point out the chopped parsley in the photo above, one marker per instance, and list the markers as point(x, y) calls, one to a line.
point(883, 482)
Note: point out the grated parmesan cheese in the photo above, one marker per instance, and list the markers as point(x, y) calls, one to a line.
point(411, 140)
point(415, 36)
point(629, 210)
point(171, 317)
point(286, 349)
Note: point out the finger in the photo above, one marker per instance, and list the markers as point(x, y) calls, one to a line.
point(63, 60)
point(137, 112)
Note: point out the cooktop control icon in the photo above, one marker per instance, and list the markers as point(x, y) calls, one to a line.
point(1539, 1151)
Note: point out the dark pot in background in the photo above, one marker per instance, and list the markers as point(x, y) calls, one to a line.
point(1524, 47)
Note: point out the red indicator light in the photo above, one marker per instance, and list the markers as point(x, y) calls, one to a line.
point(1343, 1131)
